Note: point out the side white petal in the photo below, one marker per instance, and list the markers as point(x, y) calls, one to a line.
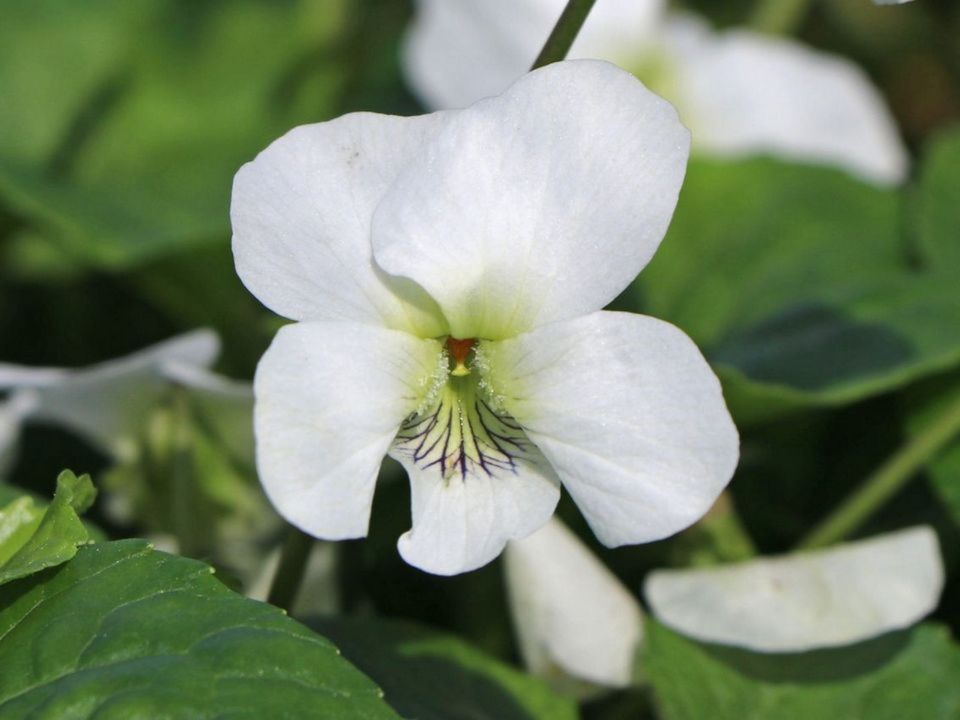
point(800, 602)
point(108, 403)
point(463, 522)
point(459, 51)
point(629, 414)
point(569, 611)
point(301, 215)
point(538, 205)
point(746, 93)
point(329, 399)
point(225, 405)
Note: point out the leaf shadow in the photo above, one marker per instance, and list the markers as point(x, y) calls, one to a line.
point(815, 666)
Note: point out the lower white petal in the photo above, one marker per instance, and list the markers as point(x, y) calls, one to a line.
point(628, 413)
point(805, 601)
point(740, 92)
point(570, 612)
point(476, 480)
point(330, 397)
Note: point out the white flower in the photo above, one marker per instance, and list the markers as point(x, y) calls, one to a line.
point(739, 92)
point(106, 403)
point(446, 272)
point(573, 617)
point(805, 601)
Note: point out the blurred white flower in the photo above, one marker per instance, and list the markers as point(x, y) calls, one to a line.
point(573, 617)
point(824, 598)
point(447, 271)
point(106, 404)
point(739, 92)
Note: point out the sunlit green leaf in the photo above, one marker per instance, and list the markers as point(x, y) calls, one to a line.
point(125, 631)
point(900, 675)
point(32, 539)
point(432, 676)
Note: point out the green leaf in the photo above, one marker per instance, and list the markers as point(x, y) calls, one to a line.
point(794, 282)
point(433, 676)
point(900, 675)
point(124, 631)
point(32, 539)
point(179, 96)
point(937, 206)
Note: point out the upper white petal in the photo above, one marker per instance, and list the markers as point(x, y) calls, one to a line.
point(301, 215)
point(458, 51)
point(629, 414)
point(804, 601)
point(538, 205)
point(569, 610)
point(463, 522)
point(108, 403)
point(330, 397)
point(746, 93)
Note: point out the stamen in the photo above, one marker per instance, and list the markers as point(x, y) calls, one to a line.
point(459, 350)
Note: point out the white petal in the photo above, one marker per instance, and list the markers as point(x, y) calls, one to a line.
point(225, 405)
point(458, 51)
point(537, 205)
point(301, 216)
point(13, 411)
point(463, 522)
point(809, 600)
point(628, 413)
point(329, 399)
point(745, 93)
point(108, 403)
point(570, 612)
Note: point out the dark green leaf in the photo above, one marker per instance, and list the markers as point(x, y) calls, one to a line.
point(911, 674)
point(124, 631)
point(432, 676)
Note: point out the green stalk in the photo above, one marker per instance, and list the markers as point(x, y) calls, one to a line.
point(289, 575)
point(778, 17)
point(888, 479)
point(564, 33)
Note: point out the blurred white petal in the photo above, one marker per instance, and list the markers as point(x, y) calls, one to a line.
point(108, 403)
point(824, 598)
point(743, 93)
point(571, 614)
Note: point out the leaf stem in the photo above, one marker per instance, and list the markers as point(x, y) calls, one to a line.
point(564, 32)
point(289, 575)
point(778, 17)
point(889, 478)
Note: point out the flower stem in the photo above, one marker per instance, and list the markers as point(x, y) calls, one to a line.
point(289, 575)
point(778, 17)
point(889, 478)
point(564, 32)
